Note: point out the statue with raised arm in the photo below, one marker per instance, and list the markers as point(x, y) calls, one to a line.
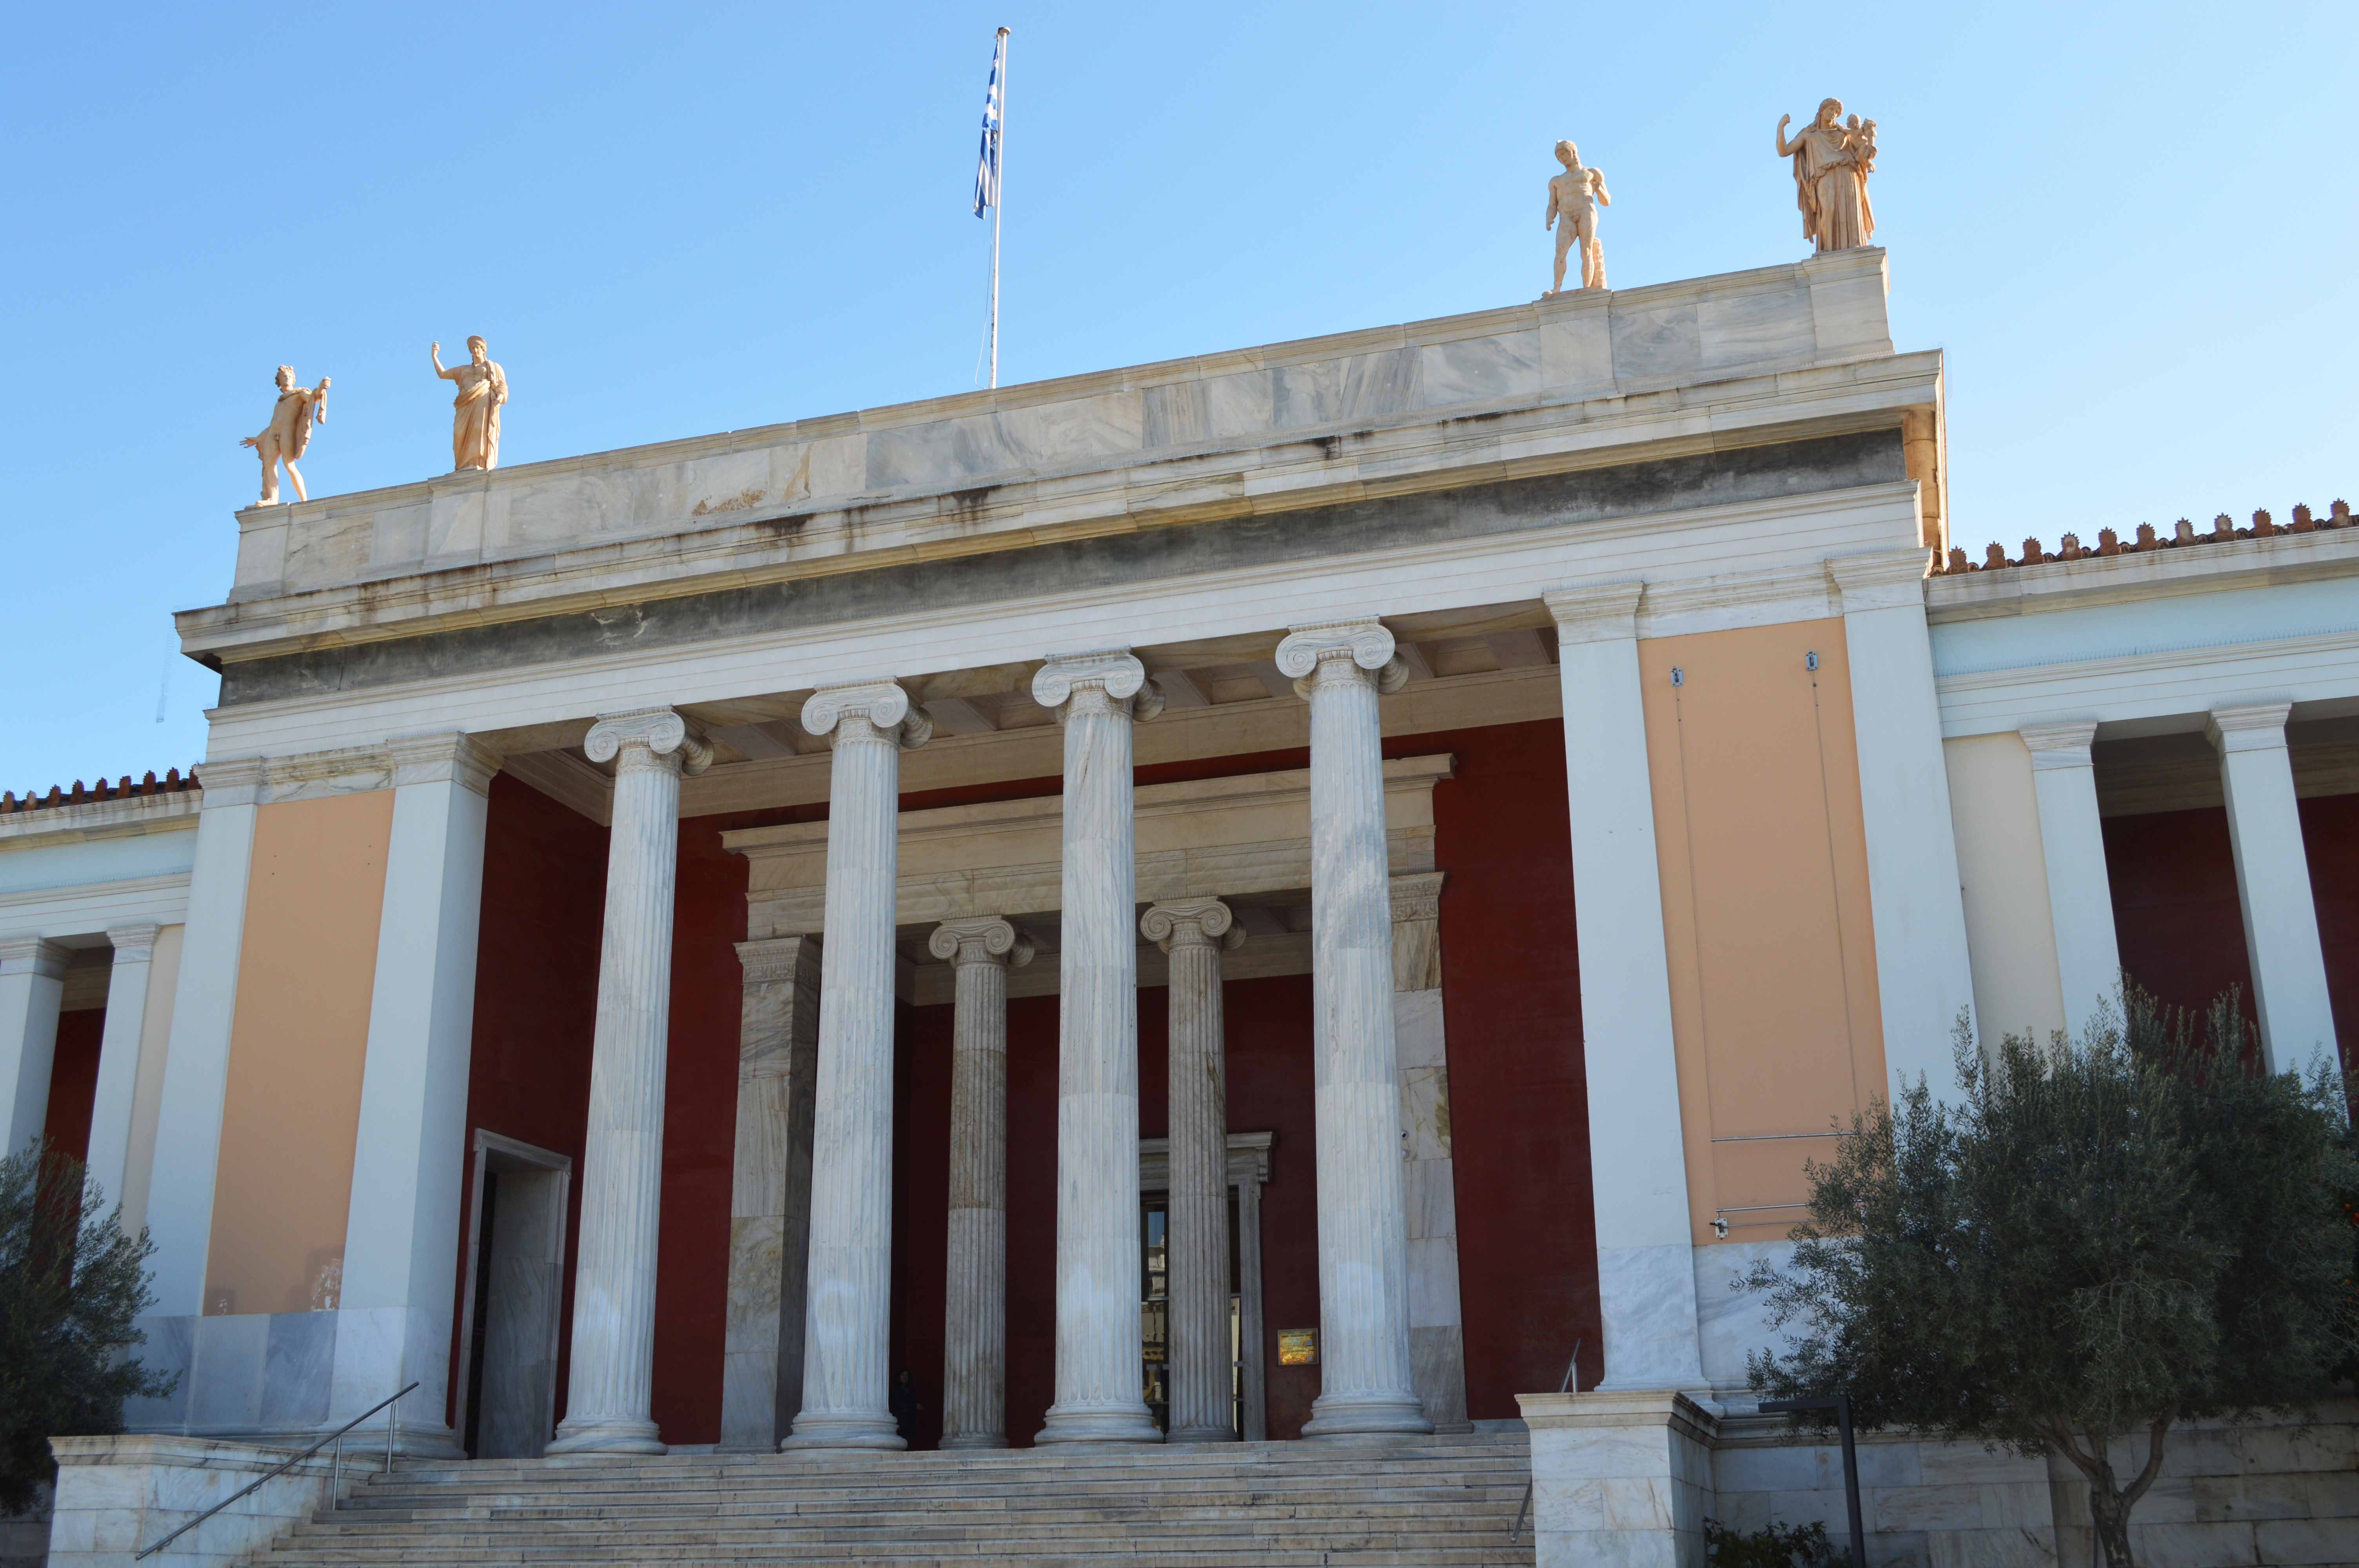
point(476, 424)
point(289, 431)
point(1830, 165)
point(1574, 196)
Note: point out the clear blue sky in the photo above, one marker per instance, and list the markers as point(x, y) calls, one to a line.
point(2131, 227)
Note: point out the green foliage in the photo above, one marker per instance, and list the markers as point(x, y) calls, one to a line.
point(70, 1284)
point(2128, 1231)
point(1774, 1545)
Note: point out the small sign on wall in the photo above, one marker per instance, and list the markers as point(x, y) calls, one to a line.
point(1298, 1348)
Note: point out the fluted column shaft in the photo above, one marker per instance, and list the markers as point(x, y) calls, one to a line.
point(1098, 1383)
point(847, 1316)
point(974, 1318)
point(607, 1398)
point(1196, 1237)
point(1367, 1383)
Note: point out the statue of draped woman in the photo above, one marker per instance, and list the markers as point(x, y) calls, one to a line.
point(475, 412)
point(1830, 165)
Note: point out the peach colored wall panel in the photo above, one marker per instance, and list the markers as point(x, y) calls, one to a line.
point(1765, 914)
point(291, 1117)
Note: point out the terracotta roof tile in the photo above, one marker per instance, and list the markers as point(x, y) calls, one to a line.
point(83, 794)
point(2184, 535)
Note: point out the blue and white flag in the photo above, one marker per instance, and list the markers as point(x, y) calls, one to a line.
point(987, 167)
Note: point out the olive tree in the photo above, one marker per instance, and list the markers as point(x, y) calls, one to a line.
point(2105, 1237)
point(70, 1284)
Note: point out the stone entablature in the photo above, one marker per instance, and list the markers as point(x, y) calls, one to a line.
point(1212, 838)
point(1700, 365)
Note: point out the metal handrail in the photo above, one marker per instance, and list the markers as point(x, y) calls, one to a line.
point(336, 1437)
point(1571, 1371)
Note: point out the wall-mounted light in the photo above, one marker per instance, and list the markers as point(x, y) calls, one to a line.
point(1810, 661)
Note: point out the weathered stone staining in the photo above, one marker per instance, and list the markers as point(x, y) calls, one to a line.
point(1366, 1382)
point(1194, 931)
point(974, 1315)
point(608, 1402)
point(847, 1316)
point(1095, 696)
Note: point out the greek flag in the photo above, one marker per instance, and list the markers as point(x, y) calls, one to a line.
point(987, 167)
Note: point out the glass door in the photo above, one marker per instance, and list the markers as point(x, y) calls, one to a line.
point(1154, 1313)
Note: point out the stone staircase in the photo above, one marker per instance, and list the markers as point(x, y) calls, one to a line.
point(1427, 1501)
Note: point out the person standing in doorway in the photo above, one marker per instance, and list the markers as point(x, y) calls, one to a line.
point(905, 1406)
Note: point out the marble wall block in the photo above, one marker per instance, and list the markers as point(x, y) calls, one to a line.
point(116, 1496)
point(1623, 1478)
point(769, 1220)
point(1480, 370)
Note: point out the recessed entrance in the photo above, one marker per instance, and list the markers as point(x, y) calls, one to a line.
point(1248, 1170)
point(515, 1258)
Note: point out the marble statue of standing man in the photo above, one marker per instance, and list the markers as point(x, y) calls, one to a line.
point(289, 432)
point(476, 424)
point(1574, 196)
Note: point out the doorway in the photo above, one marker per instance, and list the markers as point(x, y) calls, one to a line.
point(515, 1277)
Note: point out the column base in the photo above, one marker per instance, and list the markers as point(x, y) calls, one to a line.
point(1201, 1435)
point(1367, 1415)
point(618, 1434)
point(1126, 1422)
point(844, 1429)
point(974, 1440)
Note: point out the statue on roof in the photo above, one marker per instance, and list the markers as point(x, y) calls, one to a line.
point(1574, 196)
point(288, 433)
point(1832, 163)
point(476, 424)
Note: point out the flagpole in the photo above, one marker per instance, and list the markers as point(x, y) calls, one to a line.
point(999, 193)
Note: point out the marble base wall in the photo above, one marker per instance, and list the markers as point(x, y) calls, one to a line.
point(1623, 1478)
point(278, 1377)
point(118, 1494)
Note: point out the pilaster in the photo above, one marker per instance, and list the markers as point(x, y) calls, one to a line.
point(113, 1104)
point(769, 1193)
point(1437, 1335)
point(2273, 883)
point(2072, 846)
point(32, 988)
point(1638, 1162)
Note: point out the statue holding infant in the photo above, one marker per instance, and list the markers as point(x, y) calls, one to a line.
point(1831, 162)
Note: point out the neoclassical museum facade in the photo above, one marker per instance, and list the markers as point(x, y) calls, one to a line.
point(1268, 896)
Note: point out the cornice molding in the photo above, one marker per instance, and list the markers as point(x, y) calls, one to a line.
point(1602, 612)
point(35, 955)
point(2248, 726)
point(2064, 745)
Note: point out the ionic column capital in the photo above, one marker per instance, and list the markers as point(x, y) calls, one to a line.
point(1356, 650)
point(1192, 922)
point(2248, 727)
point(647, 738)
point(983, 940)
point(842, 711)
point(1111, 676)
point(2060, 745)
point(450, 757)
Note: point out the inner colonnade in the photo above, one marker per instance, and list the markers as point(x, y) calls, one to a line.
point(836, 1379)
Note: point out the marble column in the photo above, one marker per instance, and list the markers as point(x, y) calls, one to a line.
point(607, 1409)
point(2072, 847)
point(848, 1300)
point(1638, 1161)
point(2289, 990)
point(1366, 1382)
point(1095, 696)
point(975, 1316)
point(769, 1193)
point(112, 1104)
point(32, 990)
point(1194, 931)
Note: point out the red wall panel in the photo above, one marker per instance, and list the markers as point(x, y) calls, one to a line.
point(73, 1082)
point(2176, 915)
point(2330, 832)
